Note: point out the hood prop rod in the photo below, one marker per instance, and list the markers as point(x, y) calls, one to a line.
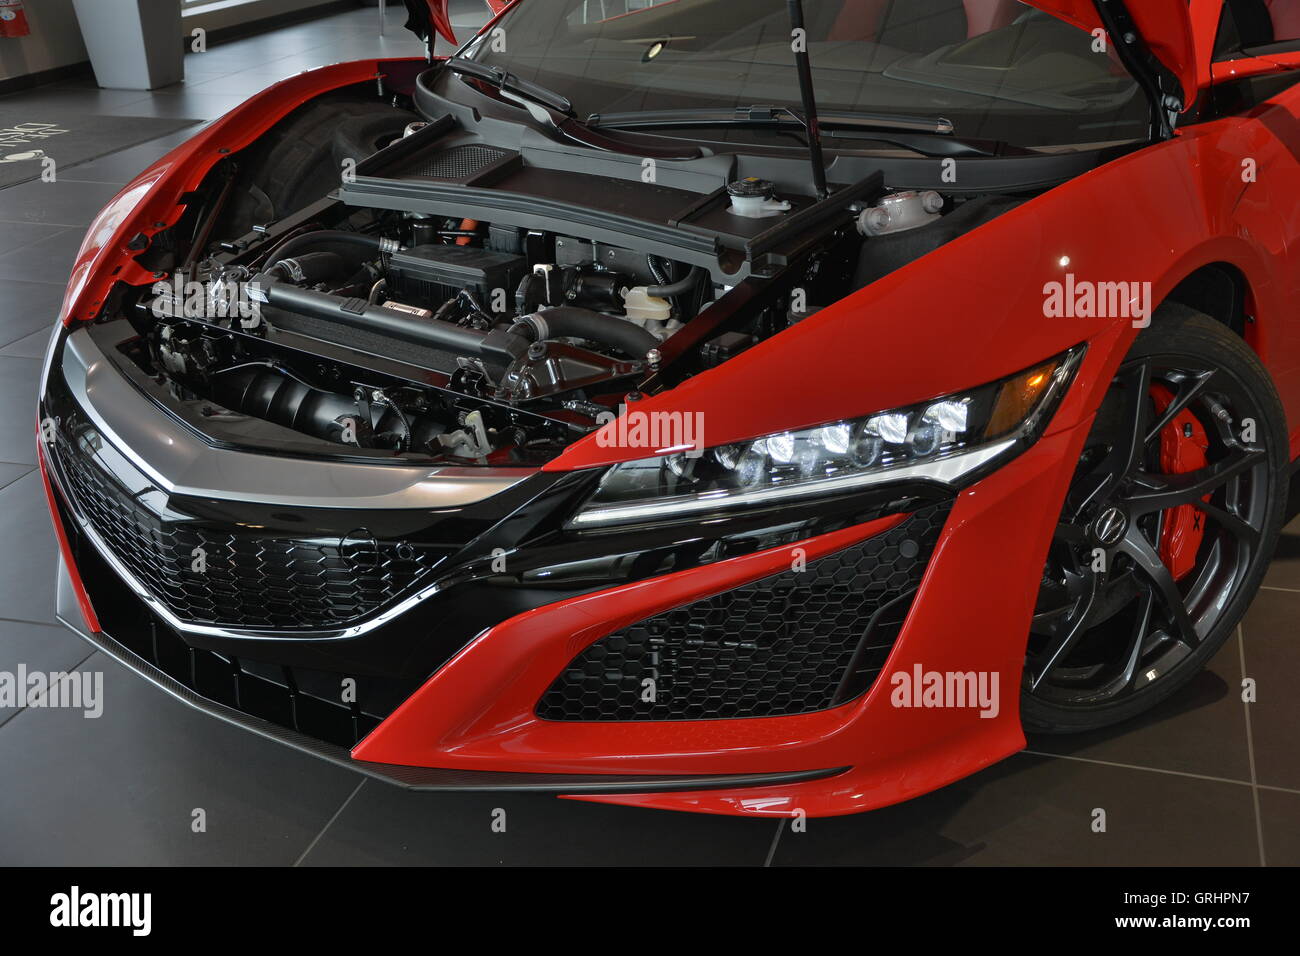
point(1142, 65)
point(803, 63)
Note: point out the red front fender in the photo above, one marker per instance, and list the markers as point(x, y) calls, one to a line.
point(154, 200)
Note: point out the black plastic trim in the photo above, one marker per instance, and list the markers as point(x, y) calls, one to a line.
point(430, 779)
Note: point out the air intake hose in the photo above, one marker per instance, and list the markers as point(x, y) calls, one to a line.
point(332, 240)
point(569, 322)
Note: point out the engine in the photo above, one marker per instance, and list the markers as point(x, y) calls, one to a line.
point(374, 320)
point(509, 339)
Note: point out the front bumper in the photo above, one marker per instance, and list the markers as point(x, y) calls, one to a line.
point(412, 778)
point(452, 686)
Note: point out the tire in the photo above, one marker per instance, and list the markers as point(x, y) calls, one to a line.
point(1130, 653)
point(302, 159)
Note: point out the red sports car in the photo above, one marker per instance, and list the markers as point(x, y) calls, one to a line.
point(761, 414)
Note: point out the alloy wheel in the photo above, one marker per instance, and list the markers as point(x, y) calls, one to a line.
point(1162, 524)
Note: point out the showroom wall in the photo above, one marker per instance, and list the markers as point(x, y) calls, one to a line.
point(228, 13)
point(55, 41)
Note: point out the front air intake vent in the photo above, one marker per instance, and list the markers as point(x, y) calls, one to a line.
point(793, 643)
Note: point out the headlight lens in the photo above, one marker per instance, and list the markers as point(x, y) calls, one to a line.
point(946, 440)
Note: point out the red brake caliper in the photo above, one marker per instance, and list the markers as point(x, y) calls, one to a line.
point(1182, 449)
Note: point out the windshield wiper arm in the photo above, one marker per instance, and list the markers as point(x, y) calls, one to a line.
point(772, 116)
point(925, 135)
point(507, 82)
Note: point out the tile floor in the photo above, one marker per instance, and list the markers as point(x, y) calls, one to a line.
point(1205, 780)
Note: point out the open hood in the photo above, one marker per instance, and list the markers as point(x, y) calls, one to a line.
point(1170, 29)
point(1178, 33)
point(426, 17)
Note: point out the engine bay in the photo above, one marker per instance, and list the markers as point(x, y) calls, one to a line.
point(457, 298)
point(502, 340)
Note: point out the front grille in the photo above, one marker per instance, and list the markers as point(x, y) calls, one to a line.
point(339, 707)
point(794, 643)
point(208, 574)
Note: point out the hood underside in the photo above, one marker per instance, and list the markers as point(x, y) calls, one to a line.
point(1165, 25)
point(425, 17)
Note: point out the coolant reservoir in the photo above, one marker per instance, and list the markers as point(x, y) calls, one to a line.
point(755, 199)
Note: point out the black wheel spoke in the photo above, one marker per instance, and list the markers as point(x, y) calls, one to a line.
point(1188, 391)
point(1161, 492)
point(1127, 453)
point(1085, 491)
point(1069, 629)
point(1148, 562)
point(1235, 525)
point(1137, 641)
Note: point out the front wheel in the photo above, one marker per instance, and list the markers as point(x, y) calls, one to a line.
point(1167, 529)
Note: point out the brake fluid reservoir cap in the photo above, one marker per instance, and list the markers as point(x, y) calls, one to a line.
point(755, 198)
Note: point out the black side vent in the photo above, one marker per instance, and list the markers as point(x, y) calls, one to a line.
point(794, 643)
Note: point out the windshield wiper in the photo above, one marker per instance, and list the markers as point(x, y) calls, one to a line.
point(556, 112)
point(507, 82)
point(929, 136)
point(772, 116)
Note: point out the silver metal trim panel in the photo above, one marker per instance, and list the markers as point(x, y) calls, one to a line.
point(179, 462)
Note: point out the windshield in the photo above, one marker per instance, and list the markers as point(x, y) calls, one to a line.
point(1000, 70)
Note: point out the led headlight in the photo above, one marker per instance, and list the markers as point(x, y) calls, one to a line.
point(947, 441)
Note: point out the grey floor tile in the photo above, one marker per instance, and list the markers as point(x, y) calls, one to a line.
point(386, 825)
point(240, 84)
point(28, 307)
point(199, 66)
point(1280, 826)
point(53, 255)
point(186, 105)
point(1201, 729)
point(124, 165)
point(1284, 572)
point(9, 472)
point(28, 552)
point(67, 203)
point(19, 378)
point(1272, 650)
point(42, 648)
point(122, 789)
point(29, 346)
point(358, 49)
point(1039, 811)
point(223, 60)
point(90, 100)
point(19, 235)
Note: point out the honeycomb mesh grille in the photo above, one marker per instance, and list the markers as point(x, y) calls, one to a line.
point(794, 643)
point(247, 580)
point(459, 162)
